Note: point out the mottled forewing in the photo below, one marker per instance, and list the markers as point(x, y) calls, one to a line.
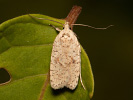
point(65, 61)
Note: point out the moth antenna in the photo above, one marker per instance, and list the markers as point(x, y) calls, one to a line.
point(45, 19)
point(93, 27)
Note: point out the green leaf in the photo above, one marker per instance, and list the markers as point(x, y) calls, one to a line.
point(25, 50)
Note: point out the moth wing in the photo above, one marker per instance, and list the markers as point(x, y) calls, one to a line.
point(57, 73)
point(75, 66)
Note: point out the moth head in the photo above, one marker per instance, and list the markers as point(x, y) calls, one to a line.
point(66, 26)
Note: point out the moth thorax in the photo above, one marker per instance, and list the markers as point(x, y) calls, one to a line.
point(65, 42)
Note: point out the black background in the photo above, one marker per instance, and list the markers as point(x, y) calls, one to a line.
point(110, 51)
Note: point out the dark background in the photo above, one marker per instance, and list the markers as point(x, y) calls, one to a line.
point(110, 51)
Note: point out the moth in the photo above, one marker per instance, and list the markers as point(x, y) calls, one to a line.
point(65, 66)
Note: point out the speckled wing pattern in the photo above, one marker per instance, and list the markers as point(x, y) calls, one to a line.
point(65, 63)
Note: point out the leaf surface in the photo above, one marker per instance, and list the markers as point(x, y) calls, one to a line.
point(25, 51)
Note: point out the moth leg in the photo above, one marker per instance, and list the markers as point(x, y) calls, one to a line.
point(81, 79)
point(57, 29)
